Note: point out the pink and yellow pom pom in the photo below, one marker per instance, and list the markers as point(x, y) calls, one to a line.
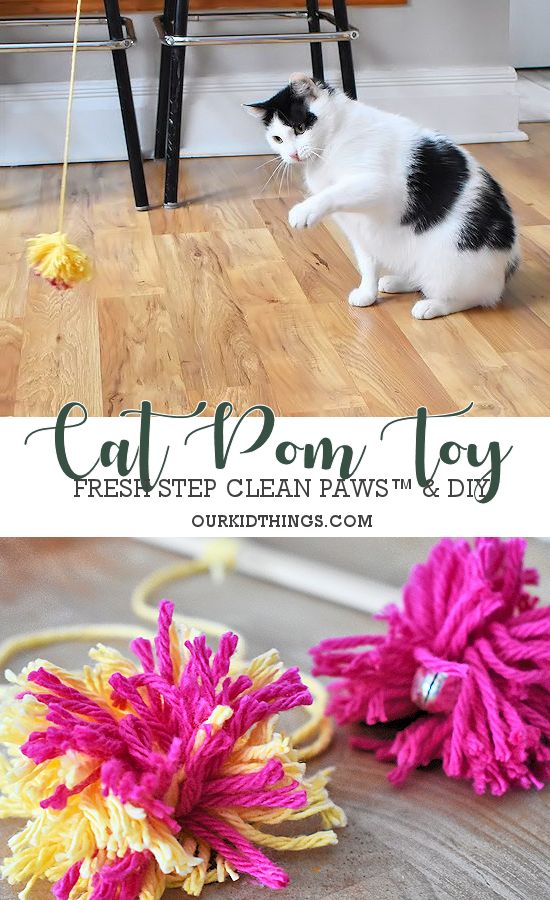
point(62, 264)
point(168, 773)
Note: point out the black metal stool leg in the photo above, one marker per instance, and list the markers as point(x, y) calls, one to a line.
point(344, 49)
point(175, 102)
point(127, 109)
point(164, 78)
point(316, 49)
point(162, 103)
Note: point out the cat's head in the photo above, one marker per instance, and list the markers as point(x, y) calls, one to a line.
point(293, 118)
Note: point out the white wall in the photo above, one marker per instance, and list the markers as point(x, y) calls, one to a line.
point(530, 33)
point(445, 62)
point(423, 33)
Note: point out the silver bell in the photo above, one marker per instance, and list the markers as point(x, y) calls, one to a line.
point(434, 691)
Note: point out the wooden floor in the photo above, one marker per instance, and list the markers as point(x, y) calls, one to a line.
point(219, 300)
point(432, 840)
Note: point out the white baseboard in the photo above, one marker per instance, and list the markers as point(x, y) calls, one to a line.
point(470, 104)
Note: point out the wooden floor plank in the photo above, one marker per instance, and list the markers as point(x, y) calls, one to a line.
point(138, 349)
point(214, 342)
point(526, 213)
point(529, 287)
point(319, 264)
point(301, 362)
point(113, 201)
point(387, 382)
point(220, 299)
point(213, 202)
point(127, 263)
point(61, 343)
point(460, 358)
point(20, 197)
point(11, 339)
point(529, 382)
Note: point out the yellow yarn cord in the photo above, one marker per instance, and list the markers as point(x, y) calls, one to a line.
point(63, 191)
point(318, 729)
point(32, 639)
point(310, 739)
point(51, 255)
point(219, 557)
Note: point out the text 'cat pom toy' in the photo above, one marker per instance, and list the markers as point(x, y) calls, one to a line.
point(136, 778)
point(61, 263)
point(467, 661)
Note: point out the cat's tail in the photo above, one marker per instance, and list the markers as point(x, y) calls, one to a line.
point(513, 263)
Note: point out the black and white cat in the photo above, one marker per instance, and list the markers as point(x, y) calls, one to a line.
point(417, 209)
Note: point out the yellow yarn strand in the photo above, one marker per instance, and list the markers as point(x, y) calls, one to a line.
point(63, 190)
point(45, 638)
point(315, 735)
point(218, 558)
point(51, 255)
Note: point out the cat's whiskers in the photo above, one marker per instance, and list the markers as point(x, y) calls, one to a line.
point(275, 171)
point(270, 161)
point(283, 173)
point(287, 173)
point(314, 151)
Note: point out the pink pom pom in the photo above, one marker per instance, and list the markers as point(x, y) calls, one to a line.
point(466, 661)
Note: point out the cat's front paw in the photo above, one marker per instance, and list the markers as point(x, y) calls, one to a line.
point(304, 215)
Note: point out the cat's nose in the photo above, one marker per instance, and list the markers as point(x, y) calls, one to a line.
point(295, 156)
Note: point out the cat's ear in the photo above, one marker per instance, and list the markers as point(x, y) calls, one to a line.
point(304, 86)
point(254, 109)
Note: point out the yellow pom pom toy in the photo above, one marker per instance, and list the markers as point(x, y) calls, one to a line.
point(166, 773)
point(172, 771)
point(59, 262)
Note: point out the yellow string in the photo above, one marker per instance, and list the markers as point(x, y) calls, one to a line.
point(32, 639)
point(60, 263)
point(63, 191)
point(315, 735)
point(310, 739)
point(219, 557)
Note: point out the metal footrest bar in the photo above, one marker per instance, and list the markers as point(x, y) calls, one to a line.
point(219, 14)
point(124, 43)
point(319, 37)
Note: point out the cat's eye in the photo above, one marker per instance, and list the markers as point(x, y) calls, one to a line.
point(299, 129)
point(277, 139)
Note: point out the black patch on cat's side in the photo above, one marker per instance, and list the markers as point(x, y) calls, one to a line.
point(489, 223)
point(437, 174)
point(291, 108)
